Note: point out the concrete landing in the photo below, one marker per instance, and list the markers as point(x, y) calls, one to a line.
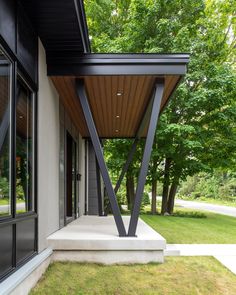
point(95, 239)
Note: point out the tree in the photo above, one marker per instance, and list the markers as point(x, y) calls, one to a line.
point(198, 126)
point(116, 152)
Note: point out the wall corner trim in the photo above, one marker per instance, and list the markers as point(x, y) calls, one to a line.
point(14, 280)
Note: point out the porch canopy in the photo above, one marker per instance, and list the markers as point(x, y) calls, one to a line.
point(118, 96)
point(119, 88)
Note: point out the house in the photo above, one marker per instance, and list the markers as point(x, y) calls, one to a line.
point(57, 102)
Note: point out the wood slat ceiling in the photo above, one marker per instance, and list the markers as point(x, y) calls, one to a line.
point(115, 116)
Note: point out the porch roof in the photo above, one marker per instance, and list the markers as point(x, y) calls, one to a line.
point(119, 88)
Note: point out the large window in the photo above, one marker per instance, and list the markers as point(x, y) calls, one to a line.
point(5, 111)
point(24, 148)
point(24, 196)
point(18, 219)
point(18, 93)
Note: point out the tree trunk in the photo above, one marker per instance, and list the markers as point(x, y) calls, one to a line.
point(130, 191)
point(154, 197)
point(171, 198)
point(165, 191)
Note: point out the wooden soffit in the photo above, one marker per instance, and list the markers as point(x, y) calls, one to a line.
point(118, 101)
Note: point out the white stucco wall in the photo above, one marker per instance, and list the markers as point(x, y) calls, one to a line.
point(48, 154)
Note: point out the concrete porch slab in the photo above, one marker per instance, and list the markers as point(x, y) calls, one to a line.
point(95, 239)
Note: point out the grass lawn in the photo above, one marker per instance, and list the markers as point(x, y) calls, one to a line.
point(177, 276)
point(7, 201)
point(189, 227)
point(4, 202)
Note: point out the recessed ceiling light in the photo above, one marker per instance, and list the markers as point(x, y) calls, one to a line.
point(119, 93)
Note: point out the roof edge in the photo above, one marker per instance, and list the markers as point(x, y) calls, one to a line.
point(118, 64)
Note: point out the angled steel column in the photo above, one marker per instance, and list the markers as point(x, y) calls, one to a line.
point(98, 151)
point(127, 163)
point(158, 93)
point(141, 127)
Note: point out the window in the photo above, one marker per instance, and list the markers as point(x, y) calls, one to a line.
point(24, 149)
point(5, 111)
point(18, 86)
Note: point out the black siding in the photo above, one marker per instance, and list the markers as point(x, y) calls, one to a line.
point(8, 22)
point(18, 34)
point(92, 182)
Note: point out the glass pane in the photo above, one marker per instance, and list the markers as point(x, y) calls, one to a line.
point(73, 175)
point(24, 149)
point(5, 202)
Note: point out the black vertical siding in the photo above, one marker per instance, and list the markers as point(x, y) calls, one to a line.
point(8, 22)
point(17, 33)
point(92, 182)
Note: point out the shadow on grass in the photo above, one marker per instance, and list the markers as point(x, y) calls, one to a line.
point(189, 214)
point(183, 214)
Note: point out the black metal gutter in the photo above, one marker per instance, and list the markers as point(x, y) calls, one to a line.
point(119, 64)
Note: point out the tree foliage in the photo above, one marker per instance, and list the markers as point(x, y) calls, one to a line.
point(219, 185)
point(197, 131)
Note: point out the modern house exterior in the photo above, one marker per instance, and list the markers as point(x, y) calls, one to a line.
point(58, 101)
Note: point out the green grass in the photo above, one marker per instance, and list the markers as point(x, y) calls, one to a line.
point(177, 276)
point(189, 227)
point(4, 202)
point(7, 201)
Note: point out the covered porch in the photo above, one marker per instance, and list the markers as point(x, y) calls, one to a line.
point(117, 96)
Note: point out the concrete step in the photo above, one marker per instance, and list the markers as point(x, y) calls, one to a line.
point(95, 239)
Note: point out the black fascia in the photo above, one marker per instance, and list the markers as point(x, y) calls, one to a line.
point(118, 64)
point(81, 18)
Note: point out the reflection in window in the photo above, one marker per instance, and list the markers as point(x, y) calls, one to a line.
point(73, 176)
point(24, 149)
point(5, 202)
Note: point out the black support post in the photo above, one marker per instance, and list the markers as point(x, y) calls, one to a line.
point(158, 93)
point(99, 190)
point(99, 154)
point(126, 165)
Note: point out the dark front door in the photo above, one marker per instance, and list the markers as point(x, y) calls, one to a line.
point(70, 202)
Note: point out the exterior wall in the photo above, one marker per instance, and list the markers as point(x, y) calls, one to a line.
point(93, 208)
point(48, 154)
point(92, 182)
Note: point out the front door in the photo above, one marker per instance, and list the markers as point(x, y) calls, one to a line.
point(70, 202)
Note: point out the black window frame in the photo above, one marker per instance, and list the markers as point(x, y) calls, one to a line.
point(9, 216)
point(21, 79)
point(17, 70)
